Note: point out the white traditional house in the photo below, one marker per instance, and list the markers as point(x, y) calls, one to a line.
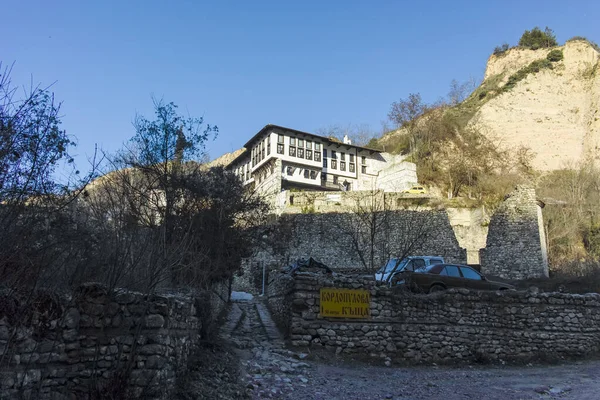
point(279, 158)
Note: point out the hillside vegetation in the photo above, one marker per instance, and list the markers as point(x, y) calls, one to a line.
point(534, 118)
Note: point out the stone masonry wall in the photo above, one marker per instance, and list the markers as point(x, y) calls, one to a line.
point(325, 238)
point(64, 347)
point(516, 244)
point(453, 325)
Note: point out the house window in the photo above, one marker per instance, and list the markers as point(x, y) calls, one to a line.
point(351, 167)
point(363, 169)
point(300, 142)
point(317, 146)
point(292, 151)
point(268, 145)
point(343, 156)
point(323, 176)
point(308, 144)
point(301, 152)
point(333, 155)
point(290, 171)
point(306, 174)
point(335, 179)
point(309, 154)
point(324, 153)
point(313, 174)
point(280, 148)
point(351, 157)
point(342, 165)
point(333, 164)
point(324, 163)
point(317, 155)
point(292, 141)
point(279, 138)
point(364, 160)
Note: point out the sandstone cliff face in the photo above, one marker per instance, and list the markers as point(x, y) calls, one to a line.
point(552, 112)
point(225, 159)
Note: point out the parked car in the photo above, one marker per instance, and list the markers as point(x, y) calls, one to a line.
point(417, 189)
point(411, 263)
point(445, 276)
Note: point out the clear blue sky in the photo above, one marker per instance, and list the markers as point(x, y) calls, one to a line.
point(243, 64)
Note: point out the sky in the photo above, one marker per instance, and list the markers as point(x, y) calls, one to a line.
point(241, 65)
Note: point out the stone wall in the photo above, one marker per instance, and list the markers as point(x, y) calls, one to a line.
point(65, 347)
point(516, 243)
point(295, 202)
point(449, 326)
point(327, 238)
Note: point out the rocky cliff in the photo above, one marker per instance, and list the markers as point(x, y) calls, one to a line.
point(554, 112)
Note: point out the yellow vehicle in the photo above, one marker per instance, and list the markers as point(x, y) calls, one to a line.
point(415, 190)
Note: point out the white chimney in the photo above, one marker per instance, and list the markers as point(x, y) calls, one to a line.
point(347, 140)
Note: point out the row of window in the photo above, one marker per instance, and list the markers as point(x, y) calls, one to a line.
point(303, 149)
point(300, 143)
point(312, 174)
point(261, 150)
point(243, 172)
point(334, 165)
point(300, 152)
point(342, 156)
point(308, 173)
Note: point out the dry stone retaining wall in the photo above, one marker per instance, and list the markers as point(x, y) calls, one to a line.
point(455, 325)
point(63, 348)
point(325, 238)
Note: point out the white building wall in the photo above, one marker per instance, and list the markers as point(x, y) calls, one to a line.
point(371, 170)
point(396, 174)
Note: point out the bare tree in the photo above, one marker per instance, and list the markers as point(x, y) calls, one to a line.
point(32, 203)
point(378, 230)
point(459, 91)
point(359, 134)
point(406, 111)
point(364, 227)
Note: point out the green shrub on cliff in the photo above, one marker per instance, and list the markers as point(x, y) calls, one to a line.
point(538, 39)
point(500, 50)
point(521, 74)
point(555, 55)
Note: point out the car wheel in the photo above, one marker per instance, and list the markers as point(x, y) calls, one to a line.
point(436, 288)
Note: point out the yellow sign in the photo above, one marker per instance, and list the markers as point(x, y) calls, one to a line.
point(345, 303)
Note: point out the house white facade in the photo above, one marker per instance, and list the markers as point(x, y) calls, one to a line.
point(279, 158)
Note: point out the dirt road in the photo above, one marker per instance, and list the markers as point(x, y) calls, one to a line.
point(570, 381)
point(270, 370)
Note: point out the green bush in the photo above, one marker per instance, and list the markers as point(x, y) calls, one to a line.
point(374, 144)
point(538, 39)
point(521, 74)
point(555, 55)
point(591, 239)
point(499, 50)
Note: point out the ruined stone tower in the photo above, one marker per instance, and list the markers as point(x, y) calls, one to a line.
point(516, 241)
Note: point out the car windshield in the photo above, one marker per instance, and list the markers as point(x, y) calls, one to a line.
point(391, 264)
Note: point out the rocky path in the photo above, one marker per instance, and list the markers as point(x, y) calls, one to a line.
point(269, 370)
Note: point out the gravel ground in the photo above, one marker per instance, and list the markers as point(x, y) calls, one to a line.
point(570, 381)
point(269, 370)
